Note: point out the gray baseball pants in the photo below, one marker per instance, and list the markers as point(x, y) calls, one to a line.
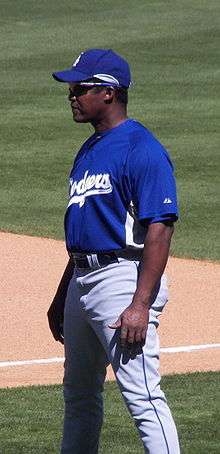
point(95, 299)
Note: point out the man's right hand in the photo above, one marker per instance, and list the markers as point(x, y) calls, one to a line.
point(55, 316)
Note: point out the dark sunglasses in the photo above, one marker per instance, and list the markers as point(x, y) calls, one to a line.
point(80, 90)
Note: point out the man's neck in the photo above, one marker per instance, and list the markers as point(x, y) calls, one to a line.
point(109, 122)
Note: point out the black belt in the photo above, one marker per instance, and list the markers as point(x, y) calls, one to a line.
point(90, 260)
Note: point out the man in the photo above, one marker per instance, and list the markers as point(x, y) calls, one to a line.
point(118, 227)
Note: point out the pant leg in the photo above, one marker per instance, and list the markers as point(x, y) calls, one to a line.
point(139, 382)
point(111, 291)
point(85, 370)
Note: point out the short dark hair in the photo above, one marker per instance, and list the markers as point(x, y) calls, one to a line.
point(122, 95)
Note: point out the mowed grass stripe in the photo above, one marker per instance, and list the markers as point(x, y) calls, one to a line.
point(31, 418)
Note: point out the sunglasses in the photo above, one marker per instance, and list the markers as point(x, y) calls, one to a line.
point(82, 89)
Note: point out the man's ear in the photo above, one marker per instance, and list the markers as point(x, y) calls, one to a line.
point(109, 95)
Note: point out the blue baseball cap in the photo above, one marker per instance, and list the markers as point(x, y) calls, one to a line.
point(103, 64)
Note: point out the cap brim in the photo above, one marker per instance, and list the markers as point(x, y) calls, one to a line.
point(70, 75)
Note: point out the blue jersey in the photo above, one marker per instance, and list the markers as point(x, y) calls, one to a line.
point(121, 181)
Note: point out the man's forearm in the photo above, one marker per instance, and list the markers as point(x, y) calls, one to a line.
point(154, 260)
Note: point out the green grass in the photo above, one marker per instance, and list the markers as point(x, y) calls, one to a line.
point(31, 418)
point(172, 47)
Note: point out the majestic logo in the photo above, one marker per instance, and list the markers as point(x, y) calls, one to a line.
point(167, 200)
point(89, 185)
point(77, 60)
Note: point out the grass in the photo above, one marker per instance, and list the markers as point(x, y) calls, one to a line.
point(172, 47)
point(31, 418)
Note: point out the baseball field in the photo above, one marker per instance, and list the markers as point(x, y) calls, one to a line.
point(173, 50)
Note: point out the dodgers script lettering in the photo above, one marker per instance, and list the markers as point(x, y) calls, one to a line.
point(87, 186)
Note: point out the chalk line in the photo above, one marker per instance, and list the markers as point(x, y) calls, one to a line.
point(181, 349)
point(188, 348)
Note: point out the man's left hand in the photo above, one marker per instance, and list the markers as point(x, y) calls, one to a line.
point(133, 323)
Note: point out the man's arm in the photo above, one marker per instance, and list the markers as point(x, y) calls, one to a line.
point(56, 311)
point(134, 320)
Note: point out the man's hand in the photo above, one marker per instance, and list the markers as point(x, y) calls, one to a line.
point(133, 323)
point(55, 316)
point(134, 320)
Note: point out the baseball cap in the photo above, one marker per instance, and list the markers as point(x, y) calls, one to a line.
point(103, 64)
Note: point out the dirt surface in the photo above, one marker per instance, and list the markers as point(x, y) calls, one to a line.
point(30, 269)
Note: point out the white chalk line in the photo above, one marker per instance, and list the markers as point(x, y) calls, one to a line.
point(183, 349)
point(29, 362)
point(188, 348)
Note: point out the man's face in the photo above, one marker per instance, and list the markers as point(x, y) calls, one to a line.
point(87, 103)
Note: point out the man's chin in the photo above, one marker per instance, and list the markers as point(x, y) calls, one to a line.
point(80, 120)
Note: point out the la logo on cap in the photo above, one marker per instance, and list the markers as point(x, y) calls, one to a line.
point(77, 60)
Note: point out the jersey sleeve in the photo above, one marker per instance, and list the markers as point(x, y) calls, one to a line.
point(152, 183)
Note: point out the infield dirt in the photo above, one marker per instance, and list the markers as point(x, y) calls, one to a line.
point(30, 271)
